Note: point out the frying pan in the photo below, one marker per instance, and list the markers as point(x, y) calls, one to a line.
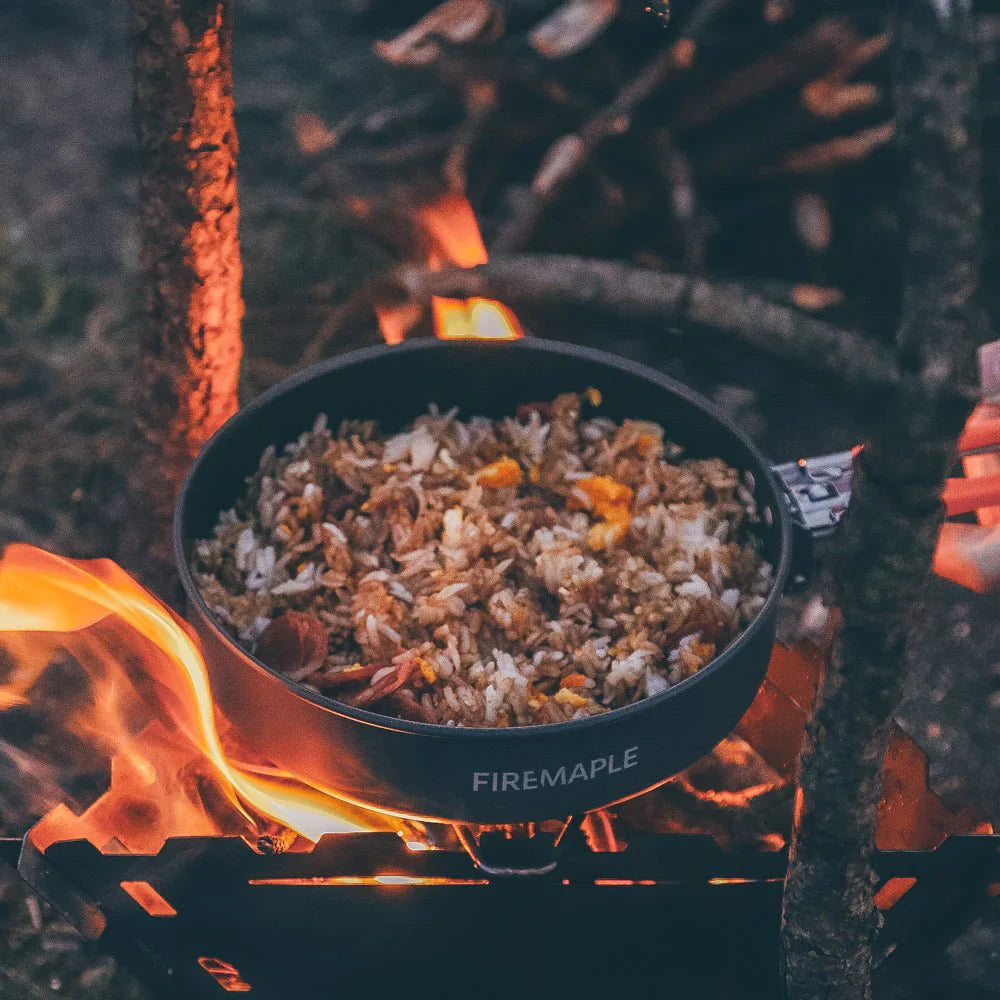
point(473, 775)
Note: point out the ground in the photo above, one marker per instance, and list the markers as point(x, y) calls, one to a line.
point(68, 316)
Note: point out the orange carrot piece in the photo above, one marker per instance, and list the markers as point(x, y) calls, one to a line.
point(503, 472)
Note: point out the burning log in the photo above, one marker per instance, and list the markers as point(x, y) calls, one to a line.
point(680, 143)
point(191, 270)
point(778, 330)
point(829, 917)
point(276, 843)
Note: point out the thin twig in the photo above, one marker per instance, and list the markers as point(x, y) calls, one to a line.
point(547, 279)
point(817, 51)
point(692, 219)
point(481, 103)
point(358, 305)
point(832, 154)
point(568, 153)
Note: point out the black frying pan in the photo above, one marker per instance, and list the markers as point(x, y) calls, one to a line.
point(457, 774)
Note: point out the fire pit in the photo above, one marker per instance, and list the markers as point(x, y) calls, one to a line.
point(662, 876)
point(190, 867)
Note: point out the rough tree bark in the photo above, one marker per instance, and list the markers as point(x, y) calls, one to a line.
point(549, 279)
point(190, 257)
point(885, 552)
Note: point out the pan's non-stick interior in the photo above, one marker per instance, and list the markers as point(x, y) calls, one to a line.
point(490, 379)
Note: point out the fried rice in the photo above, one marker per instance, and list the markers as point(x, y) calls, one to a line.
point(547, 566)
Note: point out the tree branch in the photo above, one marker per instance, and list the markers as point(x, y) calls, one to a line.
point(780, 331)
point(885, 552)
point(190, 258)
point(569, 153)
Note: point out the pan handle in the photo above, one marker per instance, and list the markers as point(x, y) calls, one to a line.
point(817, 491)
point(497, 855)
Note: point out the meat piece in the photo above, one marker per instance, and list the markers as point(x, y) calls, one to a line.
point(296, 641)
point(383, 686)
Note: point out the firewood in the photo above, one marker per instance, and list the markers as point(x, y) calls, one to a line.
point(819, 50)
point(568, 153)
point(772, 139)
point(825, 157)
point(887, 544)
point(572, 27)
point(190, 257)
point(457, 21)
point(548, 279)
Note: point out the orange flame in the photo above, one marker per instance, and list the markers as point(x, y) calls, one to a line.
point(148, 705)
point(454, 237)
point(473, 319)
point(451, 225)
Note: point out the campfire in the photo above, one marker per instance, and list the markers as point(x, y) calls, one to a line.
point(453, 238)
point(177, 767)
point(142, 701)
point(183, 791)
point(145, 704)
point(477, 624)
point(121, 684)
point(112, 672)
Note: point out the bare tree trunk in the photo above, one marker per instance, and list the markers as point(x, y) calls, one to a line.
point(190, 257)
point(829, 918)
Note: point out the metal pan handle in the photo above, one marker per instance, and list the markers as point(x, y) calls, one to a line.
point(817, 491)
point(496, 855)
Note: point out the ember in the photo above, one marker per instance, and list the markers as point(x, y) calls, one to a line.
point(454, 237)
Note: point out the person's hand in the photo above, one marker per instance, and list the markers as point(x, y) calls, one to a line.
point(969, 554)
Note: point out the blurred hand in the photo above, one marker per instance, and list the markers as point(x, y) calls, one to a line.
point(969, 554)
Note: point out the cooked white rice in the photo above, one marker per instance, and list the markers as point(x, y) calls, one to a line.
point(527, 570)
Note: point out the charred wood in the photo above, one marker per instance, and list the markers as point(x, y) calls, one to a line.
point(782, 332)
point(190, 259)
point(568, 153)
point(885, 552)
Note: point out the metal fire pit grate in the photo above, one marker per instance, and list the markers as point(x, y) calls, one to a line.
point(628, 910)
point(213, 916)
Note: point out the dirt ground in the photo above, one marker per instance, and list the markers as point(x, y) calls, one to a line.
point(67, 316)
